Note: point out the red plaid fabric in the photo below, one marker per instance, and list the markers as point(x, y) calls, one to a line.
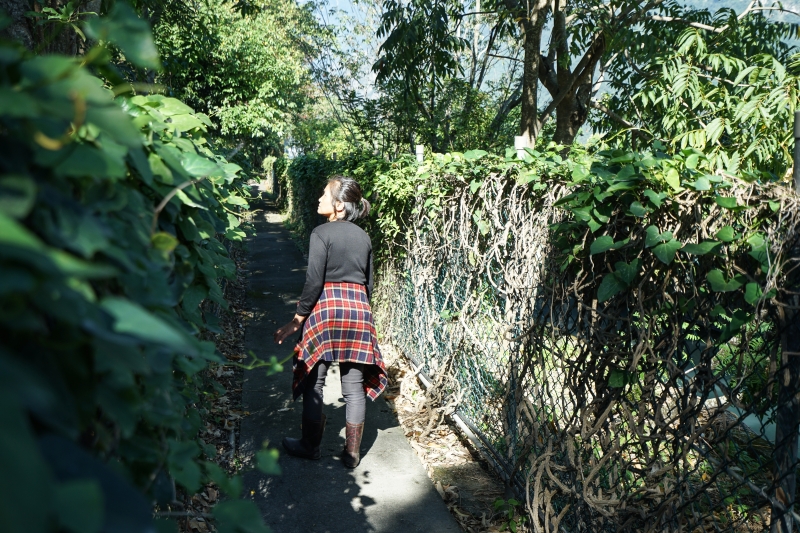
point(340, 328)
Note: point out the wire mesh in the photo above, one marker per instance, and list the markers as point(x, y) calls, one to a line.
point(626, 416)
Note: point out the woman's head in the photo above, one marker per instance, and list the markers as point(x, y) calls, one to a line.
point(342, 199)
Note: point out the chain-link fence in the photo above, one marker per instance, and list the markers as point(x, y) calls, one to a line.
point(655, 410)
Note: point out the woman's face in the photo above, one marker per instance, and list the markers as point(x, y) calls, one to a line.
point(325, 207)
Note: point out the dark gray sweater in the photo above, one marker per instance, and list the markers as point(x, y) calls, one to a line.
point(338, 251)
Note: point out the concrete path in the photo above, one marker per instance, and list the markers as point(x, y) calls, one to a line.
point(389, 492)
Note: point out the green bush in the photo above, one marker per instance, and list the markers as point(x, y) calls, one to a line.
point(304, 179)
point(113, 214)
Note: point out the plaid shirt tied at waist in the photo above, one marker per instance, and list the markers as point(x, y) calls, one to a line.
point(340, 328)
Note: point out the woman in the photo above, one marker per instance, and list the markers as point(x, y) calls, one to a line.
point(337, 322)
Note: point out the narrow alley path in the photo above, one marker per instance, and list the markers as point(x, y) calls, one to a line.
point(389, 492)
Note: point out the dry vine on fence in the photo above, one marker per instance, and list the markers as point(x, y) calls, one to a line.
point(622, 369)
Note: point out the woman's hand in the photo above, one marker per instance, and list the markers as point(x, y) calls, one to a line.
point(288, 329)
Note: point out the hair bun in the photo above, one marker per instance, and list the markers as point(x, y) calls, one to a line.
point(364, 208)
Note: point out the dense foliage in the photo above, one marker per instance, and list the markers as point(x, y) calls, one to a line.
point(657, 285)
point(115, 214)
point(727, 87)
point(247, 70)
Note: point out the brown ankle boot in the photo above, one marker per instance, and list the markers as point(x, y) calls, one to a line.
point(352, 448)
point(306, 447)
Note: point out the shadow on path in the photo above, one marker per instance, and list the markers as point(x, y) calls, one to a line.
point(389, 492)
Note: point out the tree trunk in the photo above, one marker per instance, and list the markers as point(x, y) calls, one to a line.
point(571, 115)
point(50, 37)
point(20, 29)
point(532, 38)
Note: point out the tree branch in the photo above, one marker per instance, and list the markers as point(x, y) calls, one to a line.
point(612, 115)
point(505, 57)
point(698, 25)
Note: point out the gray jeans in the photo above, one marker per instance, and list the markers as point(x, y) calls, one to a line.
point(352, 390)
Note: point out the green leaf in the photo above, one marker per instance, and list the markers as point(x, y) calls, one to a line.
point(173, 106)
point(267, 462)
point(739, 319)
point(81, 160)
point(239, 516)
point(759, 250)
point(132, 319)
point(654, 197)
point(626, 272)
point(639, 210)
point(236, 200)
point(17, 195)
point(702, 248)
point(752, 293)
point(726, 202)
point(594, 225)
point(200, 167)
point(79, 505)
point(622, 186)
point(483, 227)
point(474, 155)
point(124, 28)
point(601, 244)
point(719, 284)
point(701, 184)
point(164, 242)
point(185, 123)
point(610, 286)
point(774, 206)
point(474, 185)
point(653, 237)
point(113, 120)
point(673, 179)
point(726, 234)
point(691, 163)
point(17, 104)
point(666, 251)
point(617, 378)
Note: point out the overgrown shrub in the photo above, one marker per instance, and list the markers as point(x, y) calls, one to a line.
point(614, 325)
point(113, 215)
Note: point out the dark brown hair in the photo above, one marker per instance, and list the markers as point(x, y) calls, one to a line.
point(347, 191)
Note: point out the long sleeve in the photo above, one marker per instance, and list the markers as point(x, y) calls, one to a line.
point(369, 277)
point(315, 275)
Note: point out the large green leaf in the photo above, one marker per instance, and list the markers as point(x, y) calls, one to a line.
point(653, 237)
point(185, 122)
point(726, 234)
point(666, 251)
point(625, 272)
point(17, 195)
point(719, 284)
point(124, 28)
point(79, 506)
point(752, 293)
point(132, 319)
point(702, 248)
point(610, 286)
point(601, 244)
point(17, 104)
point(200, 167)
point(113, 120)
point(474, 155)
